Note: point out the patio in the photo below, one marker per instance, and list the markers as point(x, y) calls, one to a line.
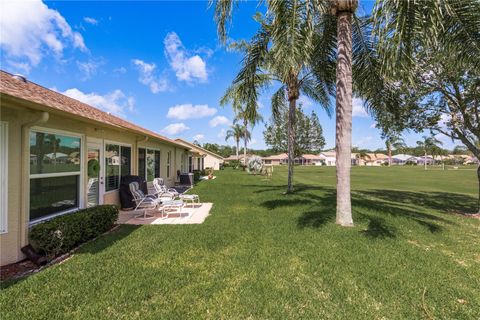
point(190, 214)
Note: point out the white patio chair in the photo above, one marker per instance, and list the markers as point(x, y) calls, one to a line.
point(143, 201)
point(162, 190)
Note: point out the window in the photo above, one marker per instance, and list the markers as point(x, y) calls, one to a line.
point(148, 163)
point(190, 164)
point(3, 177)
point(117, 164)
point(54, 173)
point(169, 156)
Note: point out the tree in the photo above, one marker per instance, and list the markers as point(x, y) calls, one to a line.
point(362, 155)
point(429, 144)
point(393, 141)
point(236, 132)
point(308, 140)
point(248, 116)
point(284, 51)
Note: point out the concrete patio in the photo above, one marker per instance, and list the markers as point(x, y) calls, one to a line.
point(190, 214)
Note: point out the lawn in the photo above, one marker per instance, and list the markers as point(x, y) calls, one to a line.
point(263, 255)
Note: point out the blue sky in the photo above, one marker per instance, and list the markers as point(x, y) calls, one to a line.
point(157, 63)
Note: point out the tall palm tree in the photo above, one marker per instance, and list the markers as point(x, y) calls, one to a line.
point(249, 117)
point(362, 155)
point(283, 52)
point(236, 132)
point(395, 142)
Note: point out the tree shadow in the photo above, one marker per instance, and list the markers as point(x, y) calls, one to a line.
point(379, 229)
point(441, 201)
point(274, 204)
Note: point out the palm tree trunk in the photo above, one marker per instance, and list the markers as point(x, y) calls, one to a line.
point(389, 155)
point(291, 143)
point(478, 177)
point(343, 139)
point(245, 138)
point(238, 144)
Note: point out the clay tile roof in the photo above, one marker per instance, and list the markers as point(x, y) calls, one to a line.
point(311, 156)
point(199, 149)
point(27, 90)
point(280, 156)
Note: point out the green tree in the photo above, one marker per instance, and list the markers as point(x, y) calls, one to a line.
point(249, 117)
point(308, 140)
point(237, 132)
point(429, 144)
point(393, 141)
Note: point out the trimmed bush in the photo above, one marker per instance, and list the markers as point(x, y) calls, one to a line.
point(62, 234)
point(196, 175)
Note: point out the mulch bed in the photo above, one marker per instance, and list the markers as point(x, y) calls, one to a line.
point(26, 267)
point(16, 270)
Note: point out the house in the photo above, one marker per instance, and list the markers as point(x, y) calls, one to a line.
point(58, 155)
point(371, 159)
point(233, 157)
point(329, 158)
point(208, 159)
point(276, 160)
point(309, 159)
point(402, 159)
point(428, 159)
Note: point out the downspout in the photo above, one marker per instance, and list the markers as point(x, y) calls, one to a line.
point(25, 175)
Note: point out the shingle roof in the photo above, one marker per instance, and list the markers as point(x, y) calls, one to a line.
point(198, 148)
point(280, 156)
point(30, 91)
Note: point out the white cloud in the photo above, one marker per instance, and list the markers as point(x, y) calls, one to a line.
point(189, 111)
point(222, 134)
point(186, 68)
point(218, 121)
point(357, 108)
point(198, 137)
point(253, 142)
point(90, 20)
point(89, 68)
point(31, 30)
point(120, 70)
point(373, 125)
point(114, 102)
point(147, 76)
point(175, 128)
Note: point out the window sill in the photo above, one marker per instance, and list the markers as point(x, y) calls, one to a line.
point(46, 218)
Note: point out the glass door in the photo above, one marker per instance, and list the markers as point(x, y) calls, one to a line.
point(94, 176)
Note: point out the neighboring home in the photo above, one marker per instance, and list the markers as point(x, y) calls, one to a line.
point(234, 158)
point(421, 160)
point(371, 159)
point(208, 159)
point(276, 160)
point(309, 160)
point(329, 158)
point(49, 145)
point(402, 159)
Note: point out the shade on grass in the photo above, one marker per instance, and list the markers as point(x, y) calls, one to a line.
point(262, 255)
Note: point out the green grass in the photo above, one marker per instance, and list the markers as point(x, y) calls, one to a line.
point(263, 255)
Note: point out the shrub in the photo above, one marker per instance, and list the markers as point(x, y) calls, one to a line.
point(196, 175)
point(62, 234)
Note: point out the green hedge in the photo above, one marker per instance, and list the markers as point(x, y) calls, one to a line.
point(63, 233)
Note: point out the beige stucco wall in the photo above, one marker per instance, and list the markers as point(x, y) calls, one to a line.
point(18, 185)
point(212, 162)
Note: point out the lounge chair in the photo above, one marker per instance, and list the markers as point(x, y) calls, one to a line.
point(143, 201)
point(162, 190)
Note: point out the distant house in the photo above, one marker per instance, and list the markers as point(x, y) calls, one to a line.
point(371, 159)
point(207, 158)
point(233, 157)
point(309, 159)
point(421, 160)
point(276, 160)
point(402, 159)
point(329, 158)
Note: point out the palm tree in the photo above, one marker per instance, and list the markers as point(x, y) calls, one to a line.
point(283, 51)
point(395, 142)
point(248, 116)
point(428, 144)
point(236, 132)
point(362, 155)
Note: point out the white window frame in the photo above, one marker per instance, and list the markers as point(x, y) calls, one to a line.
point(145, 168)
point(58, 174)
point(120, 144)
point(4, 177)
